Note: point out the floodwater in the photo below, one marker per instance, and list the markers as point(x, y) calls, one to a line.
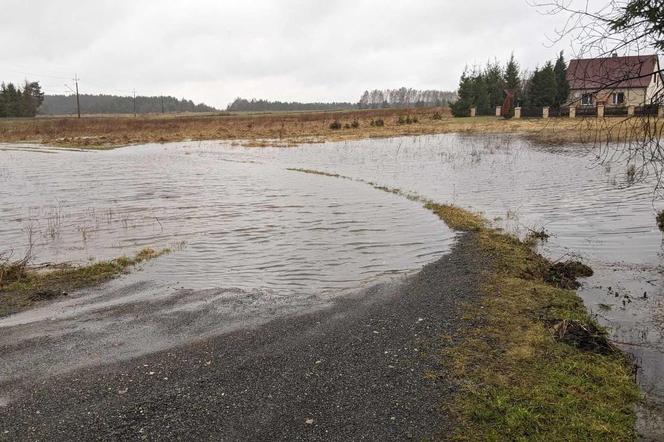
point(250, 242)
point(253, 240)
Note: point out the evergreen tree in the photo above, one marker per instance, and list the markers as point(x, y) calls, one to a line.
point(562, 85)
point(542, 88)
point(495, 84)
point(512, 78)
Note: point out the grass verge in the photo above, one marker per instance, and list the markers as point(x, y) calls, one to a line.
point(22, 287)
point(534, 365)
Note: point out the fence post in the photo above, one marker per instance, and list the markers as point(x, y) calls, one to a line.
point(600, 111)
point(473, 111)
point(517, 112)
point(572, 112)
point(630, 110)
point(545, 112)
point(499, 110)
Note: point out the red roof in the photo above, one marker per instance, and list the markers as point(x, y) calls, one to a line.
point(614, 72)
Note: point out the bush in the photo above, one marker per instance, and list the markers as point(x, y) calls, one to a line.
point(407, 120)
point(378, 122)
point(355, 124)
point(335, 125)
point(436, 116)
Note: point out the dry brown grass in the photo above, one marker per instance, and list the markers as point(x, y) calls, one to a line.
point(284, 129)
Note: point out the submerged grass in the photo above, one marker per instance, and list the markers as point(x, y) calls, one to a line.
point(26, 287)
point(533, 365)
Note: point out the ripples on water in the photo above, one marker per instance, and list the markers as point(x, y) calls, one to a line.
point(243, 225)
point(250, 224)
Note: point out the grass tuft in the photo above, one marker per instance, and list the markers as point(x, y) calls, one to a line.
point(22, 290)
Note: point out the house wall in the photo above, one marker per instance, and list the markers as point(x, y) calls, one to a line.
point(655, 86)
point(633, 97)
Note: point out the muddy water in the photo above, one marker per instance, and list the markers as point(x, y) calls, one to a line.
point(590, 209)
point(250, 242)
point(253, 240)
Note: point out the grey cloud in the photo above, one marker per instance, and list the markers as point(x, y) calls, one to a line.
point(213, 51)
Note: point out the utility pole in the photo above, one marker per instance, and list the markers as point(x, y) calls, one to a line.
point(78, 101)
point(134, 91)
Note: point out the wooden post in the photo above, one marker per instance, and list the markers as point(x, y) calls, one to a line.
point(630, 110)
point(572, 111)
point(545, 112)
point(473, 111)
point(499, 111)
point(600, 111)
point(517, 112)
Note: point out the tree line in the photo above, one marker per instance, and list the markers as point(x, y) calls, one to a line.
point(254, 105)
point(485, 88)
point(113, 104)
point(17, 102)
point(404, 97)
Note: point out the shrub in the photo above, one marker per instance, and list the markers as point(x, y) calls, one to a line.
point(660, 220)
point(355, 124)
point(378, 122)
point(407, 120)
point(335, 125)
point(436, 116)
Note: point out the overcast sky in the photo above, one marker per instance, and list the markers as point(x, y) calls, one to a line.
point(306, 50)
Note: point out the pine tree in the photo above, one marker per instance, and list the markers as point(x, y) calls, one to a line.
point(542, 88)
point(512, 79)
point(562, 85)
point(493, 77)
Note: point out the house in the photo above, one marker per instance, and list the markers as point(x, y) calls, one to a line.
point(615, 81)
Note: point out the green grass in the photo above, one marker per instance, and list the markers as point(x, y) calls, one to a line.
point(22, 287)
point(517, 379)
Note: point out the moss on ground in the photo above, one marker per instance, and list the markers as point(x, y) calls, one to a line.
point(26, 286)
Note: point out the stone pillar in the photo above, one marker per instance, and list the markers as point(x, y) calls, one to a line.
point(545, 112)
point(499, 111)
point(630, 110)
point(572, 111)
point(473, 111)
point(517, 112)
point(600, 111)
point(660, 112)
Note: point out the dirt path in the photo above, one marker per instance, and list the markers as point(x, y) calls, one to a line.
point(366, 368)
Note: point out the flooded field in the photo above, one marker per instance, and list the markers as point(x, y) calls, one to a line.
point(252, 240)
point(593, 211)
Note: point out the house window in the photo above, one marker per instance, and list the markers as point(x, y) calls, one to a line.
point(618, 98)
point(587, 99)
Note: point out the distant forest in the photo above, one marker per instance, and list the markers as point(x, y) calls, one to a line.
point(253, 105)
point(17, 102)
point(405, 97)
point(112, 104)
